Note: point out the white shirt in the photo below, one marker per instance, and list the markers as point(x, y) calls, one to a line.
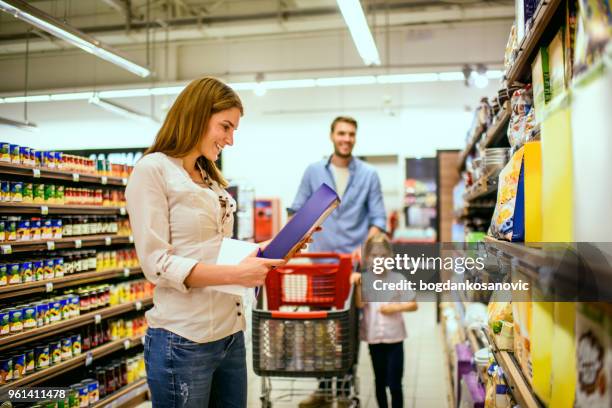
point(176, 224)
point(341, 177)
point(376, 327)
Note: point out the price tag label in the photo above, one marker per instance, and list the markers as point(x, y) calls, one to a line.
point(108, 241)
point(124, 181)
point(122, 211)
point(44, 210)
point(49, 287)
point(97, 319)
point(131, 239)
point(6, 249)
point(75, 177)
point(50, 245)
point(88, 359)
point(127, 344)
point(36, 173)
point(126, 272)
point(138, 305)
point(78, 243)
point(104, 180)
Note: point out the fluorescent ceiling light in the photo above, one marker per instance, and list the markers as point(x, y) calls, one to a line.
point(424, 77)
point(344, 81)
point(121, 110)
point(451, 76)
point(407, 78)
point(18, 124)
point(23, 11)
point(358, 26)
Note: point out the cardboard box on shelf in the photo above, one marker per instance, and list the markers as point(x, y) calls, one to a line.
point(593, 344)
point(540, 77)
point(556, 61)
point(563, 379)
point(557, 176)
point(541, 353)
point(533, 191)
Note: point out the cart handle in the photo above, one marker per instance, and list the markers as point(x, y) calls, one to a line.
point(299, 315)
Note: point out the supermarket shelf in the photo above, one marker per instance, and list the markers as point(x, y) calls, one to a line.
point(49, 174)
point(521, 70)
point(65, 366)
point(496, 132)
point(9, 247)
point(44, 209)
point(480, 191)
point(126, 395)
point(519, 386)
point(449, 368)
point(23, 337)
point(74, 279)
point(469, 148)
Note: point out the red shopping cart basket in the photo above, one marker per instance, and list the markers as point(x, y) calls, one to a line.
point(309, 327)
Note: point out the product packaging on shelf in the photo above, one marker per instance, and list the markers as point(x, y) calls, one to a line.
point(563, 380)
point(593, 33)
point(508, 221)
point(593, 356)
point(532, 162)
point(542, 331)
point(541, 83)
point(556, 59)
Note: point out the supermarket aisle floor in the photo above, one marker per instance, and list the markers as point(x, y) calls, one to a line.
point(425, 383)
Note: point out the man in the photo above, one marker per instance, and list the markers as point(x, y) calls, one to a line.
point(360, 214)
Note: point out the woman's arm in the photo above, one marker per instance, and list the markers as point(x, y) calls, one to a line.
point(147, 205)
point(356, 279)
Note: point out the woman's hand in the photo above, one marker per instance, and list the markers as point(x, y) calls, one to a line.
point(355, 278)
point(252, 270)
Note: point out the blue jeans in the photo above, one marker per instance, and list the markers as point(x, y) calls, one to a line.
point(388, 363)
point(185, 374)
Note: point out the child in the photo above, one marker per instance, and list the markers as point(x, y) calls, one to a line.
point(382, 327)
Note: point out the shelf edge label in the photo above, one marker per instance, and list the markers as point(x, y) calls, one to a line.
point(49, 287)
point(131, 239)
point(108, 241)
point(124, 181)
point(126, 272)
point(97, 319)
point(44, 210)
point(127, 344)
point(104, 180)
point(6, 249)
point(36, 173)
point(50, 245)
point(78, 243)
point(75, 177)
point(122, 211)
point(138, 305)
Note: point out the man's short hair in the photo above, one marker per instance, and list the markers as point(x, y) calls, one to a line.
point(346, 119)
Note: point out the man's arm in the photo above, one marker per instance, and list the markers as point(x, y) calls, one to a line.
point(377, 217)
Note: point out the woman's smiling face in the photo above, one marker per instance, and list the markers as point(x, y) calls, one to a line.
point(219, 133)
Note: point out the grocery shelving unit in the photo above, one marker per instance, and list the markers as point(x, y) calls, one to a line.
point(62, 209)
point(95, 316)
point(9, 247)
point(521, 70)
point(127, 396)
point(52, 174)
point(497, 131)
point(520, 388)
point(85, 358)
point(67, 281)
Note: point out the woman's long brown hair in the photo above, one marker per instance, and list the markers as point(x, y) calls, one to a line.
point(188, 118)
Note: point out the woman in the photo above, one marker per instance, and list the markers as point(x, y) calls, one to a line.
point(179, 213)
point(382, 326)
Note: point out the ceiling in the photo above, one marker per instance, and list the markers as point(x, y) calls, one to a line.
point(129, 22)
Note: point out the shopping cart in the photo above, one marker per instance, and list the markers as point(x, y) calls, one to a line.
point(308, 329)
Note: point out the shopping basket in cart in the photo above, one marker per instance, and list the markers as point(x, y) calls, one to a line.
point(308, 328)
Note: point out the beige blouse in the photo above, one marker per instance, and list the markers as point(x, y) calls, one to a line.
point(176, 224)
